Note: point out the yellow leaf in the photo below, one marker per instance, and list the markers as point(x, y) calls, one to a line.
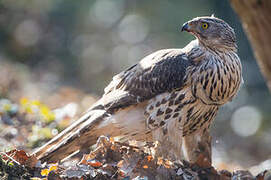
point(44, 172)
point(51, 116)
point(44, 110)
point(36, 103)
point(10, 164)
point(24, 101)
point(53, 168)
point(7, 107)
point(28, 109)
point(46, 132)
point(47, 115)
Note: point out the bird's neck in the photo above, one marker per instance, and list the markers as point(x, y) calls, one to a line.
point(216, 47)
point(197, 51)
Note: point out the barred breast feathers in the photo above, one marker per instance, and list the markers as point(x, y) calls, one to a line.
point(216, 75)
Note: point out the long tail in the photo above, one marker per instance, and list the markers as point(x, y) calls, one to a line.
point(82, 133)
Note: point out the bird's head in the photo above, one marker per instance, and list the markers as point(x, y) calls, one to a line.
point(212, 32)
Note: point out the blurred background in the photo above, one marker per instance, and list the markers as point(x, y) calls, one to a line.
point(65, 52)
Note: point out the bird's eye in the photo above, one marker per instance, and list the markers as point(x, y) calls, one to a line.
point(204, 25)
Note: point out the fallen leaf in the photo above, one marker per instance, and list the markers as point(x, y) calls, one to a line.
point(53, 168)
point(145, 167)
point(44, 172)
point(22, 157)
point(160, 161)
point(168, 163)
point(149, 158)
point(94, 163)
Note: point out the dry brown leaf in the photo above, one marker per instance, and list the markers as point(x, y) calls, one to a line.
point(22, 157)
point(149, 158)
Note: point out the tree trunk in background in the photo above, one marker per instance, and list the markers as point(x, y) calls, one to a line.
point(255, 16)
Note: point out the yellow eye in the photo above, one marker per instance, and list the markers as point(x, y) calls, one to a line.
point(204, 25)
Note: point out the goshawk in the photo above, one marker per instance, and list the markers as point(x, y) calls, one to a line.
point(170, 96)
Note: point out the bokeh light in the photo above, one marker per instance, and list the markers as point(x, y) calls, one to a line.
point(106, 12)
point(246, 121)
point(133, 29)
point(27, 33)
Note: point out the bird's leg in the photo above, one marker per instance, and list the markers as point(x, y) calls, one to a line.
point(196, 148)
point(169, 142)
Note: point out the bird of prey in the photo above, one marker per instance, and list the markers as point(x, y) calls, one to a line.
point(171, 96)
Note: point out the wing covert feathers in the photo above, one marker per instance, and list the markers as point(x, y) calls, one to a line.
point(162, 71)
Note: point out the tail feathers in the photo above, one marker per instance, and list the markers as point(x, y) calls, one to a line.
point(83, 132)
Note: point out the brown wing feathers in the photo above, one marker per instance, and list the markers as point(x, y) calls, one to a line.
point(163, 72)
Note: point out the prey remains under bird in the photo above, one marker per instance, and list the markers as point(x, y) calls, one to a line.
point(170, 96)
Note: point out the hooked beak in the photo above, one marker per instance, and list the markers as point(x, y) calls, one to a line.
point(186, 27)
